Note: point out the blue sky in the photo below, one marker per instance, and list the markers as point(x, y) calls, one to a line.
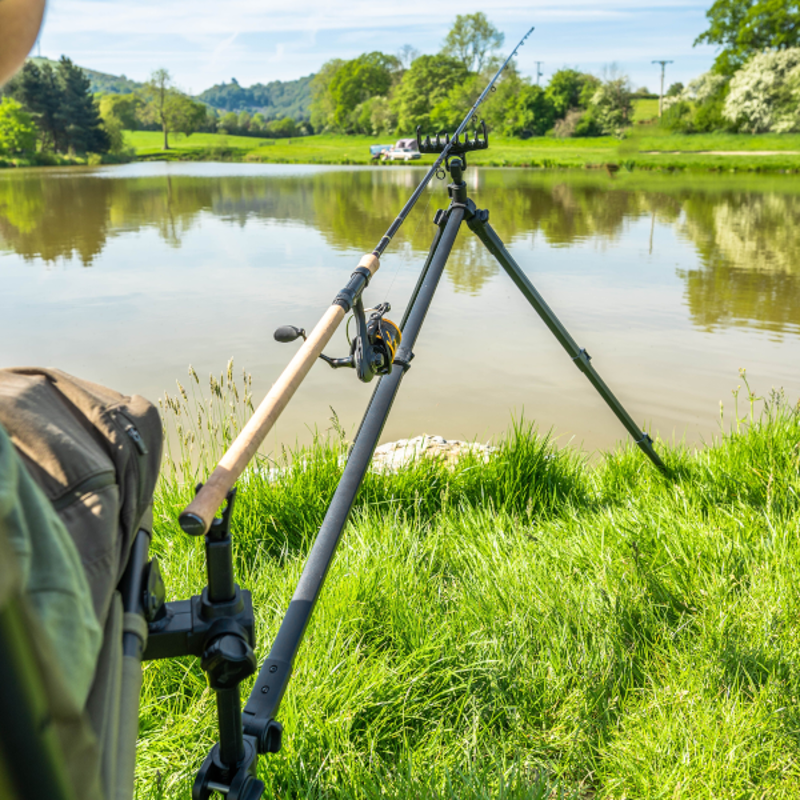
point(202, 42)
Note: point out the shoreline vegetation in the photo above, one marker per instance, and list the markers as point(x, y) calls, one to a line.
point(579, 120)
point(652, 150)
point(519, 624)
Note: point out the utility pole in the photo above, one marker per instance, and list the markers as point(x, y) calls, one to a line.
point(539, 72)
point(661, 95)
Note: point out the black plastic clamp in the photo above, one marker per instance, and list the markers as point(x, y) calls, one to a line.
point(347, 297)
point(583, 356)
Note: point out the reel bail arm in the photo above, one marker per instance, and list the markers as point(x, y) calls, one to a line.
point(373, 348)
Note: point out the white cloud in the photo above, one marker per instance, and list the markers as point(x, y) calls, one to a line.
point(222, 48)
point(203, 18)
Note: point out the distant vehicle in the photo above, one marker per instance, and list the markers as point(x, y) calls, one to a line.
point(402, 150)
point(377, 150)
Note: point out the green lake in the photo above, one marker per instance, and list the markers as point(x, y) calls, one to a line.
point(126, 275)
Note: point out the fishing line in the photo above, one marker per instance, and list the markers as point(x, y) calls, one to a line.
point(424, 216)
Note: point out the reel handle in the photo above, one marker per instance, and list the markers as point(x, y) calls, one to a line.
point(288, 333)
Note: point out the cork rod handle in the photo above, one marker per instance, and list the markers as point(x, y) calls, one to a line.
point(197, 516)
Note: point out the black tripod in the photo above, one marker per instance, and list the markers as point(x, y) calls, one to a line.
point(218, 625)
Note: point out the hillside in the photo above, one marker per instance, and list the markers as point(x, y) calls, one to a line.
point(102, 82)
point(274, 99)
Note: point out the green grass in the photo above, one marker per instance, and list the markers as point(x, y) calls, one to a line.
point(531, 627)
point(645, 109)
point(631, 153)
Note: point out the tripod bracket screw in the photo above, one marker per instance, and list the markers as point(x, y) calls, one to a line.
point(228, 660)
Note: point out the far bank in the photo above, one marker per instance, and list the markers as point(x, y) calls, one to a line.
point(644, 149)
point(650, 150)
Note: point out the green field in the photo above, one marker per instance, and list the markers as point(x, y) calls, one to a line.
point(645, 110)
point(531, 627)
point(673, 151)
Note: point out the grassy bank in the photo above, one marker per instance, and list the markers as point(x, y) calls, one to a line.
point(647, 148)
point(530, 627)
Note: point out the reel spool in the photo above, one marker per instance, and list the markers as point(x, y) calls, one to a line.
point(373, 349)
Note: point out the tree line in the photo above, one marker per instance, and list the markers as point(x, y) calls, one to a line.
point(754, 84)
point(52, 109)
point(161, 106)
point(48, 111)
point(272, 100)
point(380, 94)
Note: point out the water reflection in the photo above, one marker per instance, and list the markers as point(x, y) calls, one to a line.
point(748, 247)
point(746, 234)
point(195, 263)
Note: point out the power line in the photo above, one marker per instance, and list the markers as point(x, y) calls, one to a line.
point(661, 95)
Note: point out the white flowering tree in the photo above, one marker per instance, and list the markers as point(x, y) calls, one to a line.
point(700, 90)
point(764, 93)
point(611, 105)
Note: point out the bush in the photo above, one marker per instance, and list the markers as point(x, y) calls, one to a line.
point(699, 108)
point(610, 108)
point(17, 131)
point(678, 117)
point(764, 93)
point(589, 125)
point(566, 127)
point(283, 128)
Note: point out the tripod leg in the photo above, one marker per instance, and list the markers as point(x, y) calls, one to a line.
point(479, 224)
point(440, 222)
point(264, 701)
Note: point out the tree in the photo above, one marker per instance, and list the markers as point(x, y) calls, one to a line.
point(428, 82)
point(123, 108)
point(258, 123)
point(321, 99)
point(118, 112)
point(243, 122)
point(229, 123)
point(611, 105)
point(355, 81)
point(569, 89)
point(406, 55)
point(174, 111)
point(62, 106)
point(283, 128)
point(764, 94)
point(471, 40)
point(17, 130)
point(38, 90)
point(745, 27)
point(374, 117)
point(381, 116)
point(530, 114)
point(79, 112)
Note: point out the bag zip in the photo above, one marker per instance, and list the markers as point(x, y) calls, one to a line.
point(133, 433)
point(127, 426)
point(93, 483)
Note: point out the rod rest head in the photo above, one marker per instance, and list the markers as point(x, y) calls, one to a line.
point(457, 146)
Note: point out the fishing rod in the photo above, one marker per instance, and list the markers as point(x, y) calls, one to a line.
point(197, 517)
point(218, 625)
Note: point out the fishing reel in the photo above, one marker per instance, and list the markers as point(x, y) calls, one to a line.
point(373, 348)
